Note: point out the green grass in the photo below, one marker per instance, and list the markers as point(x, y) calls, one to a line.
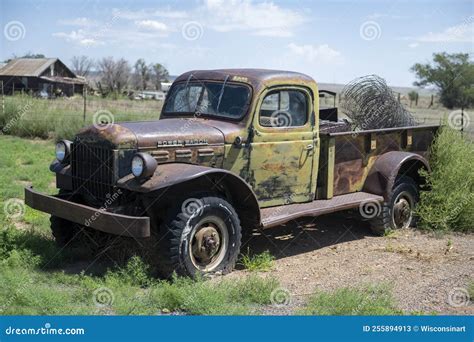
point(32, 277)
point(29, 117)
point(27, 290)
point(470, 289)
point(366, 300)
point(450, 203)
point(258, 262)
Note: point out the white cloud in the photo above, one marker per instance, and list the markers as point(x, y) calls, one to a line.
point(377, 15)
point(167, 13)
point(152, 25)
point(79, 37)
point(462, 33)
point(316, 53)
point(413, 45)
point(264, 18)
point(82, 22)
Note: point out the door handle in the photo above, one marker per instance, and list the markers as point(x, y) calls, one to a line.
point(309, 147)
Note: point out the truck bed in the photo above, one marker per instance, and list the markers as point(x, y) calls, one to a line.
point(346, 157)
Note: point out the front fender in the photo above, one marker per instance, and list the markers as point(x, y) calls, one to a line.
point(169, 175)
point(388, 167)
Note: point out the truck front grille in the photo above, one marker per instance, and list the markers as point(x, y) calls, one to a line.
point(92, 170)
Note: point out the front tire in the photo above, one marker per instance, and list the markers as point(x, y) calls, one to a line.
point(398, 213)
point(200, 236)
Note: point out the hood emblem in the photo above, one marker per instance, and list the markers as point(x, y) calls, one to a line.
point(181, 143)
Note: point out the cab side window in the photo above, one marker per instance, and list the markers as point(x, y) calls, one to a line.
point(284, 108)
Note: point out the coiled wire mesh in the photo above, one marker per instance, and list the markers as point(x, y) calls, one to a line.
point(371, 104)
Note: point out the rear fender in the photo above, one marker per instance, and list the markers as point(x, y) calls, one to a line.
point(383, 174)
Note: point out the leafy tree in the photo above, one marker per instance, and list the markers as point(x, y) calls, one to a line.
point(142, 73)
point(452, 75)
point(160, 74)
point(26, 55)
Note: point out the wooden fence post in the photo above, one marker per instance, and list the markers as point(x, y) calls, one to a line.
point(3, 101)
point(84, 95)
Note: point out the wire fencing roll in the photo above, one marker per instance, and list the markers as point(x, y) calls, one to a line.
point(371, 104)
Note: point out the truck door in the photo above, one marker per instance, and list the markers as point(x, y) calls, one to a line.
point(282, 147)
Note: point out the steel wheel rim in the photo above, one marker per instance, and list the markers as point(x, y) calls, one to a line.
point(208, 243)
point(402, 213)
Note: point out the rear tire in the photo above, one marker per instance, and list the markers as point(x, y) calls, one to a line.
point(398, 213)
point(200, 236)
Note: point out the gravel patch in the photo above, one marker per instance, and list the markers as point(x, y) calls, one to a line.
point(426, 272)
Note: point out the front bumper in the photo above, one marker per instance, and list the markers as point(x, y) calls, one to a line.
point(117, 224)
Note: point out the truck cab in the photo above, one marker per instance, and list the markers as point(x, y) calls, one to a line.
point(232, 149)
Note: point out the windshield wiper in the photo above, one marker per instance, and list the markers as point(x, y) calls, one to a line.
point(187, 90)
point(221, 93)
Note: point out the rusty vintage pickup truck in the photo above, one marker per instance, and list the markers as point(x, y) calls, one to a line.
point(232, 150)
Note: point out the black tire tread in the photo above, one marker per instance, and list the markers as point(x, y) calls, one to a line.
point(382, 222)
point(169, 239)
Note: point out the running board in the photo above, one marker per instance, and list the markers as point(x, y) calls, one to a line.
point(275, 216)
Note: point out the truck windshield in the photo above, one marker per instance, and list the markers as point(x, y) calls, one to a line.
point(208, 98)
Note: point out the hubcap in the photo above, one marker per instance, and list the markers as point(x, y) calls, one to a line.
point(208, 244)
point(403, 210)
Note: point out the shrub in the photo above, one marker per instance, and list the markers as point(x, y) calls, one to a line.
point(366, 300)
point(258, 262)
point(199, 297)
point(449, 205)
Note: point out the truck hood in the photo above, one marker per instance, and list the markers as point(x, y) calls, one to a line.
point(153, 134)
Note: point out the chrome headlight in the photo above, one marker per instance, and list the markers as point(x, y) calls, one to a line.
point(63, 149)
point(143, 165)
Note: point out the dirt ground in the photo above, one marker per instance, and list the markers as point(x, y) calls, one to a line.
point(330, 252)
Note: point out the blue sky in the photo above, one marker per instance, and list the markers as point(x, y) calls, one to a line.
point(333, 41)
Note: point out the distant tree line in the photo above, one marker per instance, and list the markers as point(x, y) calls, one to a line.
point(117, 75)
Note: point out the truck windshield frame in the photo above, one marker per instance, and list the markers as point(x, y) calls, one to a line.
point(220, 99)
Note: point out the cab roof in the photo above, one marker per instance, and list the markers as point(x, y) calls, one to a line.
point(255, 77)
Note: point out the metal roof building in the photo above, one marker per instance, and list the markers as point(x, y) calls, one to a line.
point(40, 74)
